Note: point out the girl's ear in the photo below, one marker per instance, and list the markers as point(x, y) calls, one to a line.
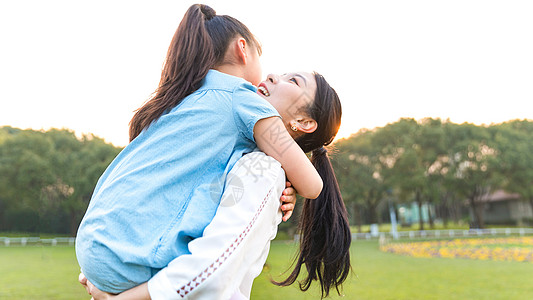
point(306, 125)
point(240, 46)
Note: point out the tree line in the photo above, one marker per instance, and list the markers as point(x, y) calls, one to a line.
point(435, 162)
point(47, 178)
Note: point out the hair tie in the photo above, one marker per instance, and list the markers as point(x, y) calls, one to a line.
point(320, 151)
point(208, 12)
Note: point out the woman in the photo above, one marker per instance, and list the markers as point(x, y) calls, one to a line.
point(158, 194)
point(312, 122)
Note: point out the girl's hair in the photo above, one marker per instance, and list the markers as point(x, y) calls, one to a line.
point(325, 235)
point(199, 44)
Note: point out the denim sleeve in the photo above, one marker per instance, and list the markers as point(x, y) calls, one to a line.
point(248, 108)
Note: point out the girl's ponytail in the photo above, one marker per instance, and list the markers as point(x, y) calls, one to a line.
point(199, 44)
point(189, 58)
point(324, 234)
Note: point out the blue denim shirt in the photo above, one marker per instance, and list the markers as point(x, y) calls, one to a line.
point(164, 188)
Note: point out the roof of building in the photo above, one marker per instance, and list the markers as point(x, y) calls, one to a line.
point(500, 195)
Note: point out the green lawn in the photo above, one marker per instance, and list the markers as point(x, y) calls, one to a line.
point(379, 275)
point(51, 273)
point(37, 272)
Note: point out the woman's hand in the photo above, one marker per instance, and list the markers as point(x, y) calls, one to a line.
point(92, 290)
point(139, 292)
point(288, 200)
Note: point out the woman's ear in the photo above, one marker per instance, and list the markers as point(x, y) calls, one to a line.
point(306, 125)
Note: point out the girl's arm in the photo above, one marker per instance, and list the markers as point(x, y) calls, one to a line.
point(273, 139)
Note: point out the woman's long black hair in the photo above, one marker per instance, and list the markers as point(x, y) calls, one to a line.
point(199, 44)
point(325, 235)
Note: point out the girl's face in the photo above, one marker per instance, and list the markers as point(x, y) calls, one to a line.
point(290, 94)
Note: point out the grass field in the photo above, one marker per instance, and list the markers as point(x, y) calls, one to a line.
point(380, 275)
point(51, 273)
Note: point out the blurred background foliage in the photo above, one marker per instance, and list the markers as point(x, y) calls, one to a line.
point(47, 177)
point(453, 168)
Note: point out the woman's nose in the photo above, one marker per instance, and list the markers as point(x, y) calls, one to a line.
point(273, 78)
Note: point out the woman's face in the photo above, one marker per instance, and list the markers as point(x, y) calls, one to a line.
point(290, 94)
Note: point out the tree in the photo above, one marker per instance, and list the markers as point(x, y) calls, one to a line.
point(412, 152)
point(48, 178)
point(88, 164)
point(515, 144)
point(472, 165)
point(359, 173)
point(398, 152)
point(78, 163)
point(24, 173)
point(442, 163)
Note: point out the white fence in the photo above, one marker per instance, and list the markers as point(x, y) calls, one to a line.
point(421, 234)
point(445, 233)
point(26, 241)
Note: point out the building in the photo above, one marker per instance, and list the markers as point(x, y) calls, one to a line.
point(501, 207)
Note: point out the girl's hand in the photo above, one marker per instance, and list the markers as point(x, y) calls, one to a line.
point(92, 290)
point(288, 200)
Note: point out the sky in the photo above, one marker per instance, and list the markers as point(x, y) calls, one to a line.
point(87, 65)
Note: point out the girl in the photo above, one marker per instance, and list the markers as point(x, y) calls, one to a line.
point(161, 191)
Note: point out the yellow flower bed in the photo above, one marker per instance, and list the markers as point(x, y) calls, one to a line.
point(502, 249)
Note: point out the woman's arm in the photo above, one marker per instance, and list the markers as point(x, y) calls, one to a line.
point(139, 292)
point(272, 138)
point(234, 246)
